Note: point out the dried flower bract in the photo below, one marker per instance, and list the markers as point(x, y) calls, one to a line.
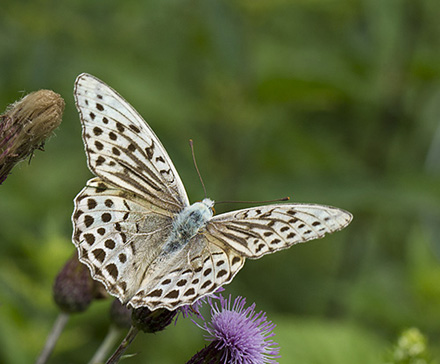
point(25, 126)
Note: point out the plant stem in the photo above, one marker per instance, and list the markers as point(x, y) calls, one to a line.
point(109, 341)
point(124, 345)
point(52, 339)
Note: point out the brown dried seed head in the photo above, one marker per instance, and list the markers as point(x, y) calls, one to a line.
point(25, 126)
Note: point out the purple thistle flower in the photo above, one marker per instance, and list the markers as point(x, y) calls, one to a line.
point(239, 333)
point(194, 309)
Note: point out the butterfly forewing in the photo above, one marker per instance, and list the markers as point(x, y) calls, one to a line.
point(257, 231)
point(121, 147)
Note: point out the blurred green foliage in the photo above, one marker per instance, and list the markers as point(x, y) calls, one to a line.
point(411, 348)
point(327, 101)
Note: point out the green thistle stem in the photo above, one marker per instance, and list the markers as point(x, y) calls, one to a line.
point(52, 339)
point(124, 345)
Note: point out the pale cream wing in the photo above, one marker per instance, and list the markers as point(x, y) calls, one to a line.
point(197, 270)
point(122, 149)
point(257, 231)
point(118, 236)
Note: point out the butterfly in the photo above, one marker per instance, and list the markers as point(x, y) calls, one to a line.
point(135, 229)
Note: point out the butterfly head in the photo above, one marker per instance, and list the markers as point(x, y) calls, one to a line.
point(209, 204)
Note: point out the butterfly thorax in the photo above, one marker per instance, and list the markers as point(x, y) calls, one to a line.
point(187, 224)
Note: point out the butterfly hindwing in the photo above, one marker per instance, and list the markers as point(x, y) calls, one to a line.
point(257, 231)
point(122, 149)
point(120, 238)
point(112, 230)
point(198, 270)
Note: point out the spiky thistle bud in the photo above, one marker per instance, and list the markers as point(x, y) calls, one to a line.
point(152, 321)
point(208, 355)
point(73, 290)
point(120, 315)
point(25, 126)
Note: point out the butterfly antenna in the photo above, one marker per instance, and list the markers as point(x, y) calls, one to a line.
point(251, 202)
point(195, 165)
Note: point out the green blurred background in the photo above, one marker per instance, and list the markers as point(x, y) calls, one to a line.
point(333, 102)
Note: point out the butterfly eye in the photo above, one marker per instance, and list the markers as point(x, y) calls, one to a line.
point(213, 210)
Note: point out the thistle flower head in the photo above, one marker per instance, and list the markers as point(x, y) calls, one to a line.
point(239, 333)
point(152, 321)
point(194, 309)
point(73, 287)
point(120, 315)
point(25, 126)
